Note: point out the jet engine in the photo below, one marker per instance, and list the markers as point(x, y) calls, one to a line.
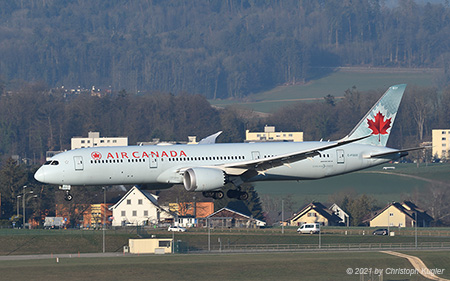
point(203, 179)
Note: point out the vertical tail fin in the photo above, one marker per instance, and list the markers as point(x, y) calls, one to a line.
point(379, 120)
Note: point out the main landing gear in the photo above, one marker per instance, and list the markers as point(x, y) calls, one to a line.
point(213, 194)
point(241, 195)
point(232, 193)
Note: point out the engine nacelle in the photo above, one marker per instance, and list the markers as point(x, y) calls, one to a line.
point(203, 179)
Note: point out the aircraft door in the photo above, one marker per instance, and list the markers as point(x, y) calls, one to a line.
point(153, 162)
point(78, 161)
point(255, 155)
point(340, 156)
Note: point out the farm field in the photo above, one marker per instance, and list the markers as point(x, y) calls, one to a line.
point(262, 266)
point(334, 84)
point(383, 185)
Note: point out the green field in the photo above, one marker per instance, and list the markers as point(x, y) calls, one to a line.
point(334, 84)
point(263, 266)
point(383, 185)
point(299, 265)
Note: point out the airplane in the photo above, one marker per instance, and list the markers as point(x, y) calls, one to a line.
point(208, 166)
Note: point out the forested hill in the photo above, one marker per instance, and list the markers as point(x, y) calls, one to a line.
point(216, 48)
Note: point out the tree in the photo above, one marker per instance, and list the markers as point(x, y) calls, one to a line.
point(13, 177)
point(359, 208)
point(436, 200)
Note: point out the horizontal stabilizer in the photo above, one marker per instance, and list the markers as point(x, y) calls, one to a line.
point(402, 152)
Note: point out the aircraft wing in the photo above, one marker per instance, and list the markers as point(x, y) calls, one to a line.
point(261, 165)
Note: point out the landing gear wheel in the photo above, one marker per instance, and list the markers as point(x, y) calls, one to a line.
point(218, 195)
point(208, 194)
point(232, 193)
point(68, 196)
point(243, 196)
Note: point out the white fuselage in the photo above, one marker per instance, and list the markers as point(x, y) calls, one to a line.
point(164, 164)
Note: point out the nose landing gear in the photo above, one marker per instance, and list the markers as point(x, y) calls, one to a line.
point(66, 188)
point(68, 196)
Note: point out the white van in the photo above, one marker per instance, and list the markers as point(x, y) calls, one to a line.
point(309, 228)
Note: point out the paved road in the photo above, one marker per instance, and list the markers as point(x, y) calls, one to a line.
point(418, 265)
point(54, 256)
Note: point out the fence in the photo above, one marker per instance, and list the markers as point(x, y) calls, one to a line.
point(323, 247)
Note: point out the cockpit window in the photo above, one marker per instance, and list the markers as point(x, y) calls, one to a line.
point(52, 162)
point(47, 163)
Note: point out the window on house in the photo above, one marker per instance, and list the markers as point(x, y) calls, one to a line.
point(140, 202)
point(145, 213)
point(135, 213)
point(164, 244)
point(123, 213)
point(128, 201)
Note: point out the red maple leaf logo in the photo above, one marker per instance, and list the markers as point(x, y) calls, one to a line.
point(96, 155)
point(379, 126)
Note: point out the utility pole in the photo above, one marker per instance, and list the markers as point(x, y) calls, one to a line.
point(282, 216)
point(416, 230)
point(23, 206)
point(104, 218)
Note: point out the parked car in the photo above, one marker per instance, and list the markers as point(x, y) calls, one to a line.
point(310, 228)
point(176, 228)
point(380, 231)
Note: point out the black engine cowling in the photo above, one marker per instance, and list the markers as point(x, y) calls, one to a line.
point(203, 179)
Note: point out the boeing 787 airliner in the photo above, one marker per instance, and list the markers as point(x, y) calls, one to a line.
point(206, 167)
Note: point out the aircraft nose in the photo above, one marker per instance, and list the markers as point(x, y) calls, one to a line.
point(40, 174)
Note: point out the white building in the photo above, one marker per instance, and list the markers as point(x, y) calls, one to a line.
point(94, 140)
point(441, 143)
point(138, 207)
point(270, 134)
point(345, 218)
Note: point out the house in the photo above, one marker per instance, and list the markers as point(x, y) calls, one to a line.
point(188, 213)
point(229, 218)
point(85, 215)
point(315, 212)
point(345, 218)
point(401, 215)
point(138, 207)
point(195, 209)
